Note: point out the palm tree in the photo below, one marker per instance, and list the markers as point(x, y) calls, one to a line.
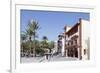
point(31, 31)
point(51, 45)
point(44, 43)
point(45, 38)
point(23, 39)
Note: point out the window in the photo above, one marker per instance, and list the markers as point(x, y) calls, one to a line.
point(75, 41)
point(71, 42)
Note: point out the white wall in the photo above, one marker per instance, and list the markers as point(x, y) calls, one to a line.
point(56, 46)
point(63, 47)
point(85, 38)
point(68, 28)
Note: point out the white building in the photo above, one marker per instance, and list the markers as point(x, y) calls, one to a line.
point(75, 40)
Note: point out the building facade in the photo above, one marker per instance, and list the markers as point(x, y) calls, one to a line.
point(75, 40)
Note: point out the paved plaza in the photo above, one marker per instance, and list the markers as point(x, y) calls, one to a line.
point(43, 59)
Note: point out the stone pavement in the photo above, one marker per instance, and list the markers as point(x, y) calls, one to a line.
point(43, 59)
point(31, 59)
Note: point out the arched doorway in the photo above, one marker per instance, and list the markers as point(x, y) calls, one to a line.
point(76, 52)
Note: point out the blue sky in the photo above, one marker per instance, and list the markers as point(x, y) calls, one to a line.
point(51, 22)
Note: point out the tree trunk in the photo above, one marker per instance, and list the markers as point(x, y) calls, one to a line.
point(30, 44)
point(34, 47)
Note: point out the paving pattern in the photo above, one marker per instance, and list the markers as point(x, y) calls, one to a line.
point(43, 59)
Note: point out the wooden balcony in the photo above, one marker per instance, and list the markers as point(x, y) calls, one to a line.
point(72, 46)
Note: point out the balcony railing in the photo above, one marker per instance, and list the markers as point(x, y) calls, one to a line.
point(72, 46)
